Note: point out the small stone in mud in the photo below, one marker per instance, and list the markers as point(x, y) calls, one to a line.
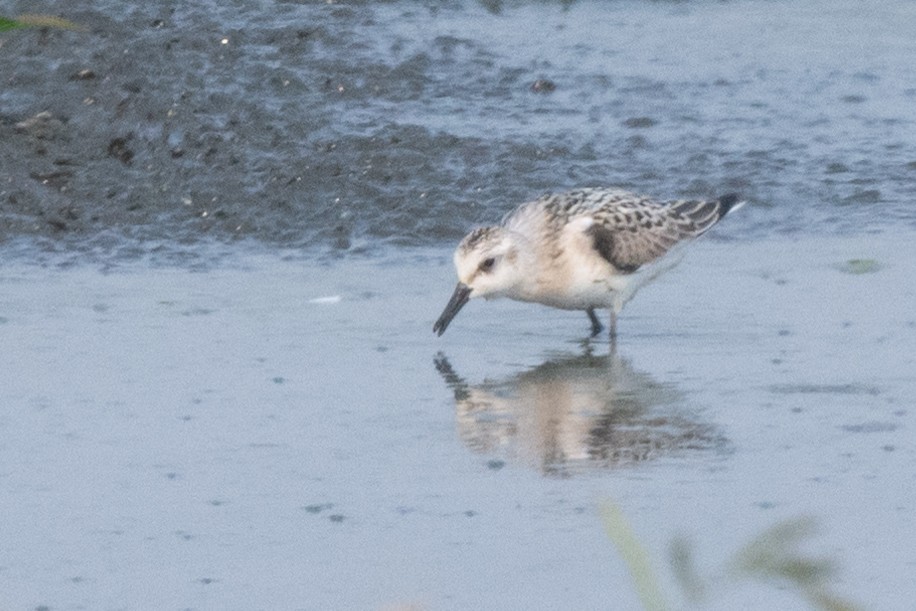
point(57, 224)
point(83, 75)
point(59, 221)
point(42, 126)
point(543, 85)
point(118, 149)
point(57, 180)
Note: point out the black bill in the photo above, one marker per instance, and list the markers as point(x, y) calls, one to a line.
point(459, 298)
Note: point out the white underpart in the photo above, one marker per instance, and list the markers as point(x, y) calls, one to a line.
point(591, 279)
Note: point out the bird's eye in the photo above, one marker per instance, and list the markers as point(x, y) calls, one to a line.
point(487, 264)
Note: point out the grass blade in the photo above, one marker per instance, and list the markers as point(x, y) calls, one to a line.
point(635, 556)
point(37, 21)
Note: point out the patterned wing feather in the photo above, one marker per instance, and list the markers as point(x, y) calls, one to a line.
point(632, 234)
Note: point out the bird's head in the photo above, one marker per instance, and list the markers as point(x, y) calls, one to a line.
point(488, 262)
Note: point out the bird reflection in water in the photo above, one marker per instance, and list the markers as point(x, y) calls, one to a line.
point(576, 413)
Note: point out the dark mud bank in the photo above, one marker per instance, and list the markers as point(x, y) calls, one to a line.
point(344, 126)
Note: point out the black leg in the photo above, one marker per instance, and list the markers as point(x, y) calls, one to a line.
point(612, 334)
point(597, 327)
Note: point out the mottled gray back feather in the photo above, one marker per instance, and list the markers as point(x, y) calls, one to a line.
point(628, 231)
point(632, 234)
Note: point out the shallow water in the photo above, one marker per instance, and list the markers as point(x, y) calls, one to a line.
point(222, 261)
point(283, 433)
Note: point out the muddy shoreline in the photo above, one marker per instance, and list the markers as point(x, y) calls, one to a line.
point(353, 127)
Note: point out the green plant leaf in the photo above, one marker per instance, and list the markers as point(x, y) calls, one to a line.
point(774, 555)
point(37, 21)
point(830, 602)
point(635, 556)
point(684, 568)
point(9, 24)
point(859, 266)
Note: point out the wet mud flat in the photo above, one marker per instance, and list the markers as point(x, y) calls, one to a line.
point(277, 432)
point(343, 126)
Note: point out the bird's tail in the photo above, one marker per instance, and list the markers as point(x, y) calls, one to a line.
point(729, 202)
point(705, 214)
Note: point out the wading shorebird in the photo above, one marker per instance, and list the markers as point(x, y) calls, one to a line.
point(582, 250)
